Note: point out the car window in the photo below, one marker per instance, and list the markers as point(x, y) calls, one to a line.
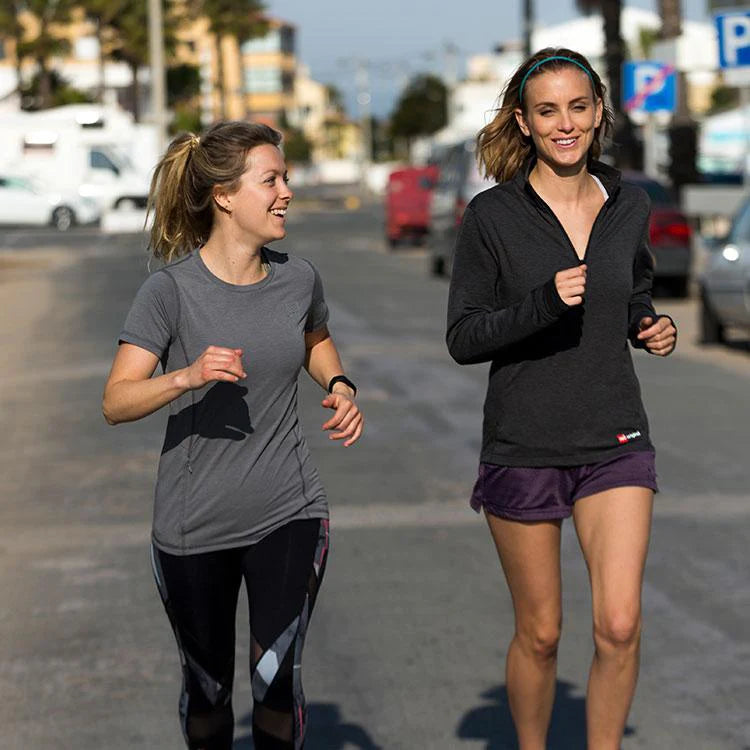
point(740, 231)
point(18, 183)
point(100, 160)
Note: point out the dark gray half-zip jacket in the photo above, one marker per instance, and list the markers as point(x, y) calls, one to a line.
point(562, 388)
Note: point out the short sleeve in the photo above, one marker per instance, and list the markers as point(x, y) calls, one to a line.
point(317, 313)
point(152, 320)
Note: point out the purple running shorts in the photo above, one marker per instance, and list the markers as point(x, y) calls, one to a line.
point(541, 494)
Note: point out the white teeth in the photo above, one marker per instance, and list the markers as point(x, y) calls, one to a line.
point(278, 211)
point(565, 141)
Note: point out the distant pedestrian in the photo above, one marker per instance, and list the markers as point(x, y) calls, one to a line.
point(232, 324)
point(552, 277)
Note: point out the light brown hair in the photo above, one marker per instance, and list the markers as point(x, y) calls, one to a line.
point(181, 194)
point(502, 148)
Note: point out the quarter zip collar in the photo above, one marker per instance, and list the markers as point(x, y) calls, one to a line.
point(609, 176)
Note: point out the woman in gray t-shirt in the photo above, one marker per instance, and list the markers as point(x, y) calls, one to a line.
point(237, 497)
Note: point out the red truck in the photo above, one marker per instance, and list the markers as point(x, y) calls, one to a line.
point(407, 203)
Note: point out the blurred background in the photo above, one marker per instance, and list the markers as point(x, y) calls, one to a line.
point(379, 105)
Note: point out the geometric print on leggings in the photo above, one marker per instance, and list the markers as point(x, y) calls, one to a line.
point(268, 665)
point(300, 709)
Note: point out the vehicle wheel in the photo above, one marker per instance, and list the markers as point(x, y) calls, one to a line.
point(126, 204)
point(63, 218)
point(712, 331)
point(437, 265)
point(392, 243)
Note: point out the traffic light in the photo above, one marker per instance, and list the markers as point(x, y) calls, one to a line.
point(683, 152)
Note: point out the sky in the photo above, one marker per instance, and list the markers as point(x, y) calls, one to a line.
point(402, 37)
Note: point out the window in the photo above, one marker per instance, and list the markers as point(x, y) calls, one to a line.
point(271, 42)
point(263, 80)
point(100, 160)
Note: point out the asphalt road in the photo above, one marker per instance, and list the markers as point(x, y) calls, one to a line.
point(406, 645)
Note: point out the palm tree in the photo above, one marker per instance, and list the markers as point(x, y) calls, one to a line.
point(48, 14)
point(240, 20)
point(12, 28)
point(129, 40)
point(102, 14)
point(628, 152)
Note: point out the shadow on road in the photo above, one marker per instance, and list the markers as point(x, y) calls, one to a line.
point(492, 722)
point(327, 731)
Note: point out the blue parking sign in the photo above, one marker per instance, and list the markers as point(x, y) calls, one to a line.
point(649, 86)
point(734, 39)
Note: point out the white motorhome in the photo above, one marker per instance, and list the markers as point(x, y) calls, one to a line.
point(94, 150)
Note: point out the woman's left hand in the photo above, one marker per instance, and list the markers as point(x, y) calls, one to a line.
point(348, 420)
point(659, 336)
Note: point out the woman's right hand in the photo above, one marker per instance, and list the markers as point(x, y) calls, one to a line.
point(571, 284)
point(216, 363)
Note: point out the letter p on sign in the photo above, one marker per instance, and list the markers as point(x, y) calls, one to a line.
point(734, 39)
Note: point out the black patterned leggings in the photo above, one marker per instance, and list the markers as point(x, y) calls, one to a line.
point(282, 575)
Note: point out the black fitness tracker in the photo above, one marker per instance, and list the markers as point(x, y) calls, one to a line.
point(341, 379)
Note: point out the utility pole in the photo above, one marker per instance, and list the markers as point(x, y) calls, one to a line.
point(528, 26)
point(364, 98)
point(158, 73)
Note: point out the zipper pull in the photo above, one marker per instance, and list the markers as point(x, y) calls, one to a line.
point(189, 467)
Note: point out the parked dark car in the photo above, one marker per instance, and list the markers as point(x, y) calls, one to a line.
point(407, 203)
point(670, 235)
point(725, 281)
point(458, 183)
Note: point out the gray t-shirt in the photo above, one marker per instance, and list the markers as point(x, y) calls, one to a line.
point(234, 465)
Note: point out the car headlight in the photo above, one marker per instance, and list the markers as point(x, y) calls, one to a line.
point(730, 253)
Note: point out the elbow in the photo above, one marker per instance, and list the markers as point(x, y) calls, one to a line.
point(458, 352)
point(108, 411)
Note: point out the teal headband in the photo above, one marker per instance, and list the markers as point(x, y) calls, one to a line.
point(546, 60)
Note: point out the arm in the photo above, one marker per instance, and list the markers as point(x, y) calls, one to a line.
point(656, 334)
point(131, 393)
point(478, 324)
point(322, 362)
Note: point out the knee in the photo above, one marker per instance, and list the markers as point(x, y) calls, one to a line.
point(618, 631)
point(540, 640)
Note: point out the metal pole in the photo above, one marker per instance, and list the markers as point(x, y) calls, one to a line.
point(528, 25)
point(650, 166)
point(364, 98)
point(158, 73)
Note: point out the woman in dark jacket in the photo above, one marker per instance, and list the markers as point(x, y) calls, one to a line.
point(552, 278)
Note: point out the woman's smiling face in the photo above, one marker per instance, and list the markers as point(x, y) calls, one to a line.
point(260, 203)
point(560, 115)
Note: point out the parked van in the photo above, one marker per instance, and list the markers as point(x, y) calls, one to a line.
point(407, 203)
point(86, 149)
point(458, 183)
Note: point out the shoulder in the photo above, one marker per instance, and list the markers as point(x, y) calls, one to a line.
point(634, 199)
point(293, 265)
point(488, 201)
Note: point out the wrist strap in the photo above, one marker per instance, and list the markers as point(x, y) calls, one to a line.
point(341, 379)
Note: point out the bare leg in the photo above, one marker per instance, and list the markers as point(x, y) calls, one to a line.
point(613, 529)
point(530, 556)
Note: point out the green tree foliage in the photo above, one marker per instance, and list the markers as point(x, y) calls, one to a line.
point(238, 19)
point(127, 40)
point(724, 98)
point(11, 28)
point(60, 91)
point(47, 43)
point(422, 108)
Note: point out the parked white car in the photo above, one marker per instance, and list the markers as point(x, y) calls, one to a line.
point(27, 202)
point(725, 282)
